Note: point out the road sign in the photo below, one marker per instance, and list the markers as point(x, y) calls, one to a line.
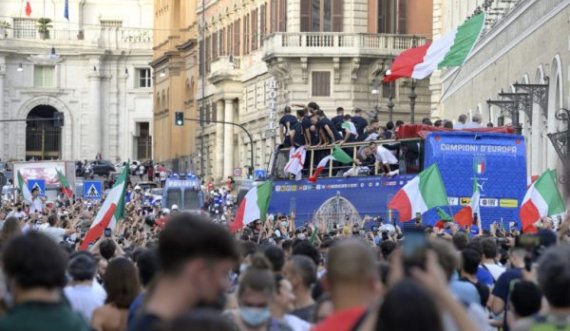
point(259, 174)
point(93, 190)
point(37, 183)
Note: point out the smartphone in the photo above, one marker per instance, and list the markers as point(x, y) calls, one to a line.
point(414, 249)
point(107, 232)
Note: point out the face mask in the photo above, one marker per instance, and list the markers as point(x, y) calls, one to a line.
point(242, 268)
point(254, 317)
point(284, 224)
point(301, 236)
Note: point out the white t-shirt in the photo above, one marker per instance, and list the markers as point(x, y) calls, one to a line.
point(383, 155)
point(54, 233)
point(472, 125)
point(296, 323)
point(37, 205)
point(85, 299)
point(495, 270)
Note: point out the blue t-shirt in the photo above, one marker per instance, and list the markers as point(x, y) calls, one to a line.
point(134, 309)
point(484, 276)
point(464, 291)
point(503, 288)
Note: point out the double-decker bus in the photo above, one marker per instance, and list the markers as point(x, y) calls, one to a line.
point(495, 157)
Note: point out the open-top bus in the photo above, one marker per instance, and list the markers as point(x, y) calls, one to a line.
point(495, 157)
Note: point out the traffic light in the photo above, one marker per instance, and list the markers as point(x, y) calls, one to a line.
point(179, 118)
point(58, 120)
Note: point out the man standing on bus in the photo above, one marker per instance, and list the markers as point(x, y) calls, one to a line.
point(349, 130)
point(296, 130)
point(359, 121)
point(327, 130)
point(285, 123)
point(338, 119)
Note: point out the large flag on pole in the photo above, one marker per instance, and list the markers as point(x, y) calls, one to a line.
point(253, 207)
point(337, 155)
point(542, 199)
point(451, 50)
point(24, 188)
point(296, 161)
point(65, 188)
point(66, 10)
point(424, 192)
point(466, 216)
point(111, 211)
point(28, 9)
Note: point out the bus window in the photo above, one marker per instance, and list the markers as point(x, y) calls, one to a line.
point(173, 197)
point(191, 199)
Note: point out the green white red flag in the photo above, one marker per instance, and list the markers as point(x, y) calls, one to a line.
point(253, 207)
point(451, 50)
point(110, 212)
point(24, 188)
point(65, 188)
point(337, 155)
point(542, 199)
point(424, 192)
point(466, 216)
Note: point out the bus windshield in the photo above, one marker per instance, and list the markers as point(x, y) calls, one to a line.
point(173, 197)
point(191, 199)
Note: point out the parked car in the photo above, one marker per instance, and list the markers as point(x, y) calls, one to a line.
point(147, 185)
point(102, 167)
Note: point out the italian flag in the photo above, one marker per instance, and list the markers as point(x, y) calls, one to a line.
point(424, 192)
point(24, 188)
point(337, 155)
point(111, 211)
point(466, 216)
point(542, 199)
point(65, 188)
point(451, 50)
point(253, 207)
point(28, 8)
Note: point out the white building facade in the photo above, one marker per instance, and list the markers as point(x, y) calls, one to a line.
point(527, 43)
point(93, 67)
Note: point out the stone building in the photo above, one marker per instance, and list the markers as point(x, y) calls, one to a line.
point(92, 66)
point(525, 44)
point(244, 61)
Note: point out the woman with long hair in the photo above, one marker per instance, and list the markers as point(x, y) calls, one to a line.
point(122, 285)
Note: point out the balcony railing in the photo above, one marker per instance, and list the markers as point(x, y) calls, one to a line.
point(224, 67)
point(103, 37)
point(338, 43)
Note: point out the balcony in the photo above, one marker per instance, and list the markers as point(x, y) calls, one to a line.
point(225, 68)
point(337, 44)
point(106, 38)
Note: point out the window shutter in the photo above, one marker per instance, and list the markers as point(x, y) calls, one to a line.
point(273, 24)
point(236, 37)
point(321, 83)
point(214, 111)
point(229, 39)
point(246, 35)
point(282, 17)
point(402, 16)
point(201, 58)
point(254, 29)
point(262, 22)
point(223, 42)
point(306, 12)
point(337, 15)
point(215, 46)
point(208, 53)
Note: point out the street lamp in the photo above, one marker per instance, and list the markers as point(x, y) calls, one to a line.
point(20, 68)
point(561, 140)
point(390, 104)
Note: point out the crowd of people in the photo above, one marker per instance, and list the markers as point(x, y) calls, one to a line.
point(165, 270)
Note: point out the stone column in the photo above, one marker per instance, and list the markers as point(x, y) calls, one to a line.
point(220, 152)
point(93, 142)
point(228, 138)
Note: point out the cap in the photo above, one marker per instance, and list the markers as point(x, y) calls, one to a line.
point(174, 207)
point(166, 211)
point(137, 187)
